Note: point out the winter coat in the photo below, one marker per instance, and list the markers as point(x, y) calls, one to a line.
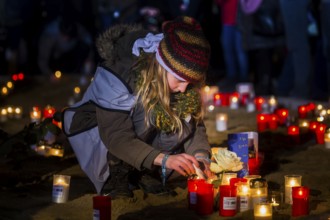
point(110, 115)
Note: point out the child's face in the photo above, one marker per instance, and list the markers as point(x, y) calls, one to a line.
point(175, 84)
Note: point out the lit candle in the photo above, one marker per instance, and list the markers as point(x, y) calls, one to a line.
point(293, 133)
point(234, 102)
point(207, 94)
point(250, 106)
point(49, 111)
point(10, 111)
point(35, 114)
point(243, 196)
point(263, 211)
point(226, 178)
point(3, 115)
point(276, 199)
point(300, 201)
point(283, 115)
point(221, 121)
point(205, 198)
point(273, 122)
point(258, 190)
point(327, 139)
point(290, 181)
point(18, 112)
point(262, 122)
point(224, 99)
point(259, 101)
point(302, 111)
point(192, 192)
point(272, 102)
point(227, 201)
point(56, 151)
point(320, 131)
point(61, 185)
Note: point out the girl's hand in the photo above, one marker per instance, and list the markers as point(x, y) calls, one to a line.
point(182, 163)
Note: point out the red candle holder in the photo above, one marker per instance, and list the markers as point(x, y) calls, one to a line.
point(259, 101)
point(216, 99)
point(49, 111)
point(224, 99)
point(234, 181)
point(244, 97)
point(273, 122)
point(262, 122)
point(293, 133)
point(227, 200)
point(319, 132)
point(205, 198)
point(300, 201)
point(283, 115)
point(102, 207)
point(302, 111)
point(192, 192)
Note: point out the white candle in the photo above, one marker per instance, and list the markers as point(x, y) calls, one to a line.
point(272, 102)
point(35, 115)
point(233, 102)
point(290, 181)
point(18, 112)
point(3, 115)
point(263, 211)
point(243, 196)
point(226, 178)
point(61, 185)
point(221, 122)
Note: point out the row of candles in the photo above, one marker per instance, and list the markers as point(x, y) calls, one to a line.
point(248, 193)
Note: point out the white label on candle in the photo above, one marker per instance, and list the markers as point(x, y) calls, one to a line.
point(243, 202)
point(96, 214)
point(193, 198)
point(229, 203)
point(58, 191)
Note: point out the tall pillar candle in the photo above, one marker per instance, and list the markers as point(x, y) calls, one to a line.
point(300, 201)
point(243, 196)
point(101, 208)
point(205, 198)
point(227, 201)
point(192, 192)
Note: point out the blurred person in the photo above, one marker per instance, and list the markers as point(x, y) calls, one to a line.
point(235, 57)
point(260, 23)
point(65, 45)
point(294, 81)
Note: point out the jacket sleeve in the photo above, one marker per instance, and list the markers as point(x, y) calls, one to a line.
point(198, 142)
point(117, 133)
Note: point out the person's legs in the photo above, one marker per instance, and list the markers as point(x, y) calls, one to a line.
point(228, 45)
point(295, 19)
point(242, 57)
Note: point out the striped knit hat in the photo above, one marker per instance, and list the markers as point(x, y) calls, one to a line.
point(184, 50)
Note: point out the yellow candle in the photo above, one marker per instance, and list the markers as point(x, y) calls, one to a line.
point(290, 181)
point(263, 211)
point(61, 185)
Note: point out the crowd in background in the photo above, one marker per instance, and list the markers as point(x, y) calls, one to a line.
point(291, 59)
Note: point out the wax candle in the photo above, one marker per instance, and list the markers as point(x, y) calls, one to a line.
point(319, 132)
point(263, 211)
point(226, 178)
point(205, 198)
point(243, 196)
point(327, 139)
point(61, 185)
point(18, 112)
point(294, 134)
point(250, 106)
point(262, 122)
point(283, 115)
point(234, 102)
point(3, 115)
point(300, 201)
point(276, 199)
point(56, 151)
point(259, 101)
point(258, 190)
point(101, 207)
point(217, 100)
point(273, 122)
point(289, 182)
point(207, 94)
point(224, 97)
point(302, 111)
point(35, 114)
point(272, 103)
point(49, 111)
point(221, 121)
point(227, 201)
point(192, 192)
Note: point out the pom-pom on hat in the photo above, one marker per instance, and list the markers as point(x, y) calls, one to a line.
point(184, 51)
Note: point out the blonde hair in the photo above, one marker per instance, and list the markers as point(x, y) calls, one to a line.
point(153, 90)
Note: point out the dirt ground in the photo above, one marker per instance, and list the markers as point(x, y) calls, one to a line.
point(26, 183)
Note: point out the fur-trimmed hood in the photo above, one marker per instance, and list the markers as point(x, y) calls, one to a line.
point(115, 45)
